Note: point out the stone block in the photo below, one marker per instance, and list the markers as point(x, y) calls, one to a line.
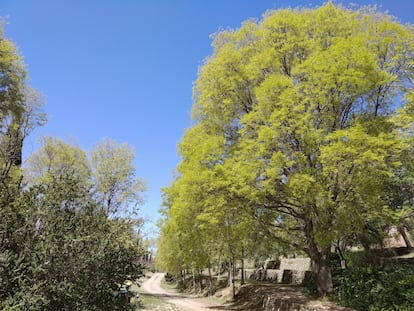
point(287, 276)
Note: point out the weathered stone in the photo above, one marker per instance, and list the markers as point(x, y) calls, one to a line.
point(272, 276)
point(299, 264)
point(297, 272)
point(287, 277)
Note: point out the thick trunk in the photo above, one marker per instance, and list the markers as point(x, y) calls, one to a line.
point(321, 269)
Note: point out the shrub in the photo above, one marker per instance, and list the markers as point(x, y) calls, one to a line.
point(168, 277)
point(374, 289)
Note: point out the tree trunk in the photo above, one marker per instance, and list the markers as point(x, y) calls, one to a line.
point(201, 280)
point(242, 281)
point(405, 237)
point(210, 280)
point(219, 269)
point(341, 246)
point(321, 269)
point(229, 273)
point(194, 278)
point(233, 281)
point(182, 280)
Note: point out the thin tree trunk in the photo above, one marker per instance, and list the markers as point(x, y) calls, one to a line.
point(229, 273)
point(242, 268)
point(210, 280)
point(219, 269)
point(183, 275)
point(201, 279)
point(405, 237)
point(194, 278)
point(233, 281)
point(341, 251)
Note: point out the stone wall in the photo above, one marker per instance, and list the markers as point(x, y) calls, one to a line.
point(291, 271)
point(299, 264)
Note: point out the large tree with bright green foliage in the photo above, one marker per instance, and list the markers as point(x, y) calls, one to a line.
point(302, 118)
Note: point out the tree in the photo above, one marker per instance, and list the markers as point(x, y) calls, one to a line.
point(204, 222)
point(67, 253)
point(12, 80)
point(79, 256)
point(55, 160)
point(299, 112)
point(15, 103)
point(17, 127)
point(117, 187)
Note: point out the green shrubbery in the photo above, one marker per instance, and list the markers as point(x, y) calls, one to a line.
point(367, 286)
point(64, 253)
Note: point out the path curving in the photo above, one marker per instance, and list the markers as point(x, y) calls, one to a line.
point(152, 286)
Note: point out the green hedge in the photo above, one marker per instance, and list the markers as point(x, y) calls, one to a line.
point(376, 289)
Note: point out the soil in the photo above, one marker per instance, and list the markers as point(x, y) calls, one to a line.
point(182, 301)
point(249, 297)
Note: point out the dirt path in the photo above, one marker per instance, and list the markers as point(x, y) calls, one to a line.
point(183, 302)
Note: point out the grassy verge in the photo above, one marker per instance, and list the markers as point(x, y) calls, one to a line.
point(168, 285)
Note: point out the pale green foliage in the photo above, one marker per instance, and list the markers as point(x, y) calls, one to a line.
point(12, 80)
point(20, 108)
point(117, 187)
point(296, 124)
point(109, 171)
point(33, 115)
point(56, 159)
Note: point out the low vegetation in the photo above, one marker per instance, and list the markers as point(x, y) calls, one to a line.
point(368, 284)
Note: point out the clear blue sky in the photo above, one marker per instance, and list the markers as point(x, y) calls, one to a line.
point(124, 69)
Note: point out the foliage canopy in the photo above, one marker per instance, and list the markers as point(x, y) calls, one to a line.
point(301, 120)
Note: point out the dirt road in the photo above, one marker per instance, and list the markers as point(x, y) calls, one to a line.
point(183, 302)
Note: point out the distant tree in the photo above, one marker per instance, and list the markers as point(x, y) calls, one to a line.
point(117, 186)
point(15, 104)
point(17, 127)
point(12, 80)
point(56, 159)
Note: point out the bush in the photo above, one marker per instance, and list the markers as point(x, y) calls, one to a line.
point(374, 289)
point(168, 278)
point(65, 254)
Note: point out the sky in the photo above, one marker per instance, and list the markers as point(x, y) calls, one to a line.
point(125, 69)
